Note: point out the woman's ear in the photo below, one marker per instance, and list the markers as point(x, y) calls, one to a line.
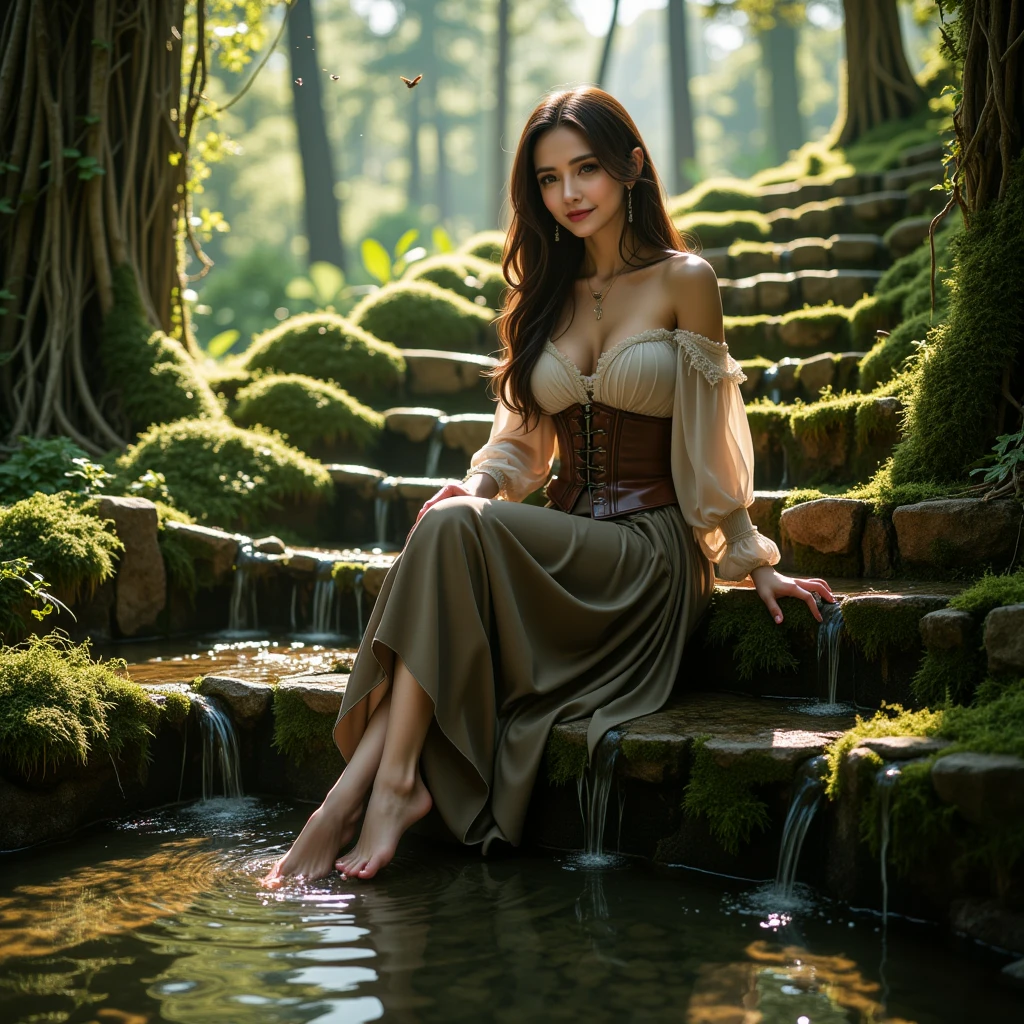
point(637, 157)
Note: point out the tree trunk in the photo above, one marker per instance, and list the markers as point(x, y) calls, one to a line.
point(684, 148)
point(778, 55)
point(95, 124)
point(878, 85)
point(606, 50)
point(500, 113)
point(323, 211)
point(414, 190)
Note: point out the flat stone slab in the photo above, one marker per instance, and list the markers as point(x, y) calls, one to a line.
point(957, 532)
point(946, 629)
point(468, 431)
point(248, 701)
point(416, 423)
point(984, 788)
point(218, 547)
point(904, 748)
point(322, 693)
point(1004, 639)
point(831, 526)
point(989, 922)
point(432, 371)
point(656, 746)
point(363, 480)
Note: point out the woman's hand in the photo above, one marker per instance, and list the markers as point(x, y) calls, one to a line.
point(771, 586)
point(448, 491)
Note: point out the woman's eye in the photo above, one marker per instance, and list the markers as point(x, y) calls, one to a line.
point(547, 179)
point(588, 167)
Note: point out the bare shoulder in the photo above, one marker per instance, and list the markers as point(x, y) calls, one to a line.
point(692, 287)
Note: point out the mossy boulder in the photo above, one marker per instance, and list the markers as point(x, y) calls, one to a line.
point(472, 277)
point(329, 347)
point(315, 415)
point(156, 378)
point(720, 230)
point(419, 314)
point(488, 245)
point(224, 475)
point(716, 195)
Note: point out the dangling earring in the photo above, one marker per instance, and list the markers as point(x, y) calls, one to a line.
point(629, 204)
point(556, 230)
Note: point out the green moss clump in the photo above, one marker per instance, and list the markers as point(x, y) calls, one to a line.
point(566, 758)
point(953, 394)
point(226, 475)
point(889, 355)
point(157, 379)
point(738, 619)
point(885, 496)
point(994, 724)
point(476, 279)
point(329, 347)
point(768, 418)
point(720, 230)
point(990, 592)
point(178, 560)
point(488, 245)
point(727, 797)
point(344, 574)
point(176, 707)
point(715, 195)
point(948, 677)
point(302, 734)
point(418, 314)
point(309, 412)
point(875, 629)
point(58, 705)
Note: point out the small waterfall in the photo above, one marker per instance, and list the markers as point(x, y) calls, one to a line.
point(598, 786)
point(220, 748)
point(293, 610)
point(806, 800)
point(380, 519)
point(768, 383)
point(242, 612)
point(325, 593)
point(885, 781)
point(357, 589)
point(829, 635)
point(434, 448)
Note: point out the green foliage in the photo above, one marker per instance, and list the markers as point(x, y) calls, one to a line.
point(875, 629)
point(488, 245)
point(739, 620)
point(156, 378)
point(888, 356)
point(1004, 463)
point(223, 474)
point(329, 347)
point(176, 707)
point(990, 592)
point(300, 733)
point(57, 704)
point(64, 541)
point(308, 412)
point(473, 278)
point(948, 676)
point(566, 757)
point(344, 574)
point(178, 560)
point(715, 195)
point(727, 796)
point(47, 466)
point(955, 383)
point(885, 496)
point(418, 314)
point(720, 230)
point(994, 724)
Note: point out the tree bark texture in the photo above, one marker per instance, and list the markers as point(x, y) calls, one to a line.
point(322, 208)
point(606, 49)
point(97, 109)
point(878, 84)
point(684, 147)
point(500, 111)
point(778, 54)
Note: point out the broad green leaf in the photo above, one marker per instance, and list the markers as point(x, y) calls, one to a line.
point(300, 288)
point(327, 279)
point(220, 343)
point(442, 240)
point(402, 245)
point(376, 260)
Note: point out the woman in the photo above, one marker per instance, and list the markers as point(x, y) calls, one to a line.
point(500, 619)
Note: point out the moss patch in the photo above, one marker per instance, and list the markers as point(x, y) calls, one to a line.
point(224, 475)
point(178, 560)
point(488, 245)
point(418, 314)
point(948, 677)
point(304, 735)
point(728, 797)
point(344, 574)
point(472, 277)
point(57, 705)
point(874, 629)
point(715, 195)
point(720, 230)
point(329, 347)
point(308, 412)
point(990, 592)
point(566, 758)
point(158, 381)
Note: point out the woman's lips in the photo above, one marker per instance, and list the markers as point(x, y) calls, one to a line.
point(578, 215)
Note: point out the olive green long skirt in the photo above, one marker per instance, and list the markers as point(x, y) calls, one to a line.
point(514, 617)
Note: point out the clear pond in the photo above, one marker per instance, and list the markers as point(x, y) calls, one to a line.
point(163, 918)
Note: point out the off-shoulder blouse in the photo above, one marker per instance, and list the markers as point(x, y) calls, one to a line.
point(661, 372)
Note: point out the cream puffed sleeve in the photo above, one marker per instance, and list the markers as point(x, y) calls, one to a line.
point(713, 457)
point(518, 458)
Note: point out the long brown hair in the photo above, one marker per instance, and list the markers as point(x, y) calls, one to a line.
point(542, 274)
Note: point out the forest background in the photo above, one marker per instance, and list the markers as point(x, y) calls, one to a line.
point(425, 158)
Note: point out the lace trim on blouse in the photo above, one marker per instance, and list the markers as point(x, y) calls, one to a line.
point(492, 471)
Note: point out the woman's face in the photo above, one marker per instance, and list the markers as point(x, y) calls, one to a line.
point(579, 193)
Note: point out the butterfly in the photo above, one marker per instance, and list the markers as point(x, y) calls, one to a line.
point(411, 83)
point(298, 81)
point(335, 78)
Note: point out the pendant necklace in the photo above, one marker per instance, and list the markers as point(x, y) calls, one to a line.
point(600, 296)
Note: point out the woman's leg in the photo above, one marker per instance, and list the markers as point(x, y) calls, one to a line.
point(334, 822)
point(399, 796)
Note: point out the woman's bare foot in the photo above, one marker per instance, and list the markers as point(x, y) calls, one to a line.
point(392, 809)
point(312, 854)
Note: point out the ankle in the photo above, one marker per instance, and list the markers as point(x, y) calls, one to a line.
point(402, 781)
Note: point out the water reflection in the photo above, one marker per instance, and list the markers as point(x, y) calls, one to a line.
point(176, 927)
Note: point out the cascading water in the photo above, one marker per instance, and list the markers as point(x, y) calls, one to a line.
point(829, 635)
point(242, 611)
point(806, 800)
point(324, 614)
point(885, 781)
point(598, 784)
point(357, 590)
point(220, 748)
point(434, 448)
point(380, 519)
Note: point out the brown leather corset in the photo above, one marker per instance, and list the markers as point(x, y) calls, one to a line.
point(621, 458)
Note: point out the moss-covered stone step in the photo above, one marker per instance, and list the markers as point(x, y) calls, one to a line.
point(775, 293)
point(838, 252)
point(421, 439)
point(790, 194)
point(455, 381)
